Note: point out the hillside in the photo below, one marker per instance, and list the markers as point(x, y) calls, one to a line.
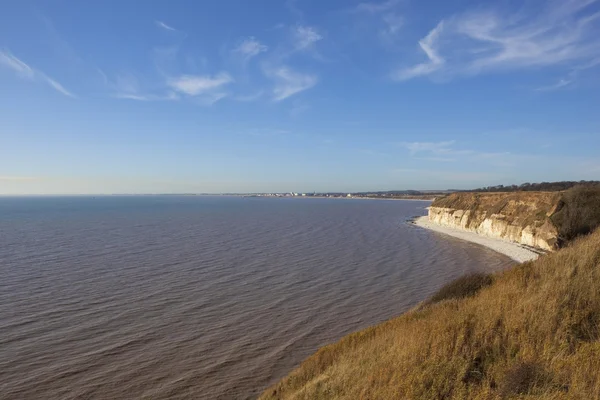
point(531, 332)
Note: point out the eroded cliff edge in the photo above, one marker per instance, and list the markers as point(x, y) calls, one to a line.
point(521, 217)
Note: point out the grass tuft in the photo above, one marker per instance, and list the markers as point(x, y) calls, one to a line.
point(465, 286)
point(523, 378)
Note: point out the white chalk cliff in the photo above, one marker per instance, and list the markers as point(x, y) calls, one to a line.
point(519, 218)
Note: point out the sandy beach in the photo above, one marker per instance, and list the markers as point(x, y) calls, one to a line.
point(513, 250)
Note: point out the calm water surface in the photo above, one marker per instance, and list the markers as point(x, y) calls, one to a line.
point(201, 297)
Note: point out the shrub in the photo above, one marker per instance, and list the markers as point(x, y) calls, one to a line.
point(578, 213)
point(462, 287)
point(523, 378)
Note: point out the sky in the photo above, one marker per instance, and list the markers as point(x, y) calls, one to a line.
point(300, 95)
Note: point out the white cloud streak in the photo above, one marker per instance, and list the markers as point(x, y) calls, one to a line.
point(147, 97)
point(445, 151)
point(211, 98)
point(387, 15)
point(560, 84)
point(164, 26)
point(393, 23)
point(289, 82)
point(58, 87)
point(127, 87)
point(194, 85)
point(435, 62)
point(558, 32)
point(305, 37)
point(250, 47)
point(12, 62)
point(432, 147)
point(24, 71)
point(571, 77)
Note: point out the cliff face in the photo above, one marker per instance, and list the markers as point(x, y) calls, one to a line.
point(521, 217)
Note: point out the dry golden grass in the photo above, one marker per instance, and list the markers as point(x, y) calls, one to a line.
point(534, 333)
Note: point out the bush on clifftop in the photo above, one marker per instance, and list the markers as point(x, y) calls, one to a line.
point(578, 212)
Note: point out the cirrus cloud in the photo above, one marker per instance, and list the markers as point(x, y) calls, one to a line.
point(289, 82)
point(554, 33)
point(250, 47)
point(194, 85)
point(305, 37)
point(24, 71)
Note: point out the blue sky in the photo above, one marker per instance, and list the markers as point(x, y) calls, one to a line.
point(219, 96)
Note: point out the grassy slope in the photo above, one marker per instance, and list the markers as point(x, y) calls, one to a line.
point(533, 333)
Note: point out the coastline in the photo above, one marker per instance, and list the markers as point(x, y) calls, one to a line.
point(513, 250)
point(334, 197)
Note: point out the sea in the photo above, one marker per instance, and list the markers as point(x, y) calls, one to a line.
point(202, 297)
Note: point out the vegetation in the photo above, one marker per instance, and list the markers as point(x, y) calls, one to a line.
point(578, 212)
point(536, 187)
point(462, 287)
point(534, 333)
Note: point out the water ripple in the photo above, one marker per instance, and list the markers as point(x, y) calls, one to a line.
point(194, 297)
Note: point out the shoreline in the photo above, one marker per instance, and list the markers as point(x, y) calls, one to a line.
point(333, 198)
point(513, 250)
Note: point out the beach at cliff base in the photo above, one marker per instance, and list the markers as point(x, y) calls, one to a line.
point(513, 250)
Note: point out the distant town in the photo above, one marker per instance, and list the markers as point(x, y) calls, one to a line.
point(396, 194)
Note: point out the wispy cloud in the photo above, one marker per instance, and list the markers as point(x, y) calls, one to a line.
point(571, 77)
point(305, 37)
point(24, 71)
point(560, 84)
point(164, 26)
point(126, 86)
point(435, 61)
point(208, 99)
point(393, 23)
point(289, 82)
point(250, 47)
point(557, 32)
point(414, 148)
point(12, 62)
point(146, 97)
point(390, 22)
point(58, 87)
point(130, 96)
point(447, 151)
point(194, 85)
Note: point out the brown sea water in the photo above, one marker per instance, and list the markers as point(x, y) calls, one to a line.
point(201, 297)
